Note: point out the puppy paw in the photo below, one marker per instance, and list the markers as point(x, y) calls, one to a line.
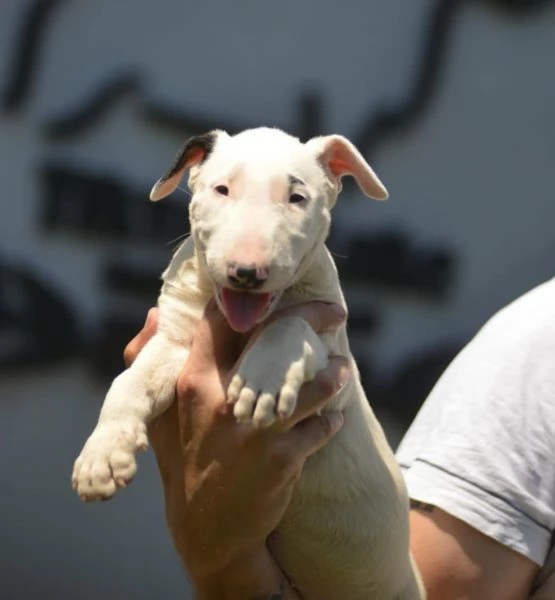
point(107, 461)
point(263, 391)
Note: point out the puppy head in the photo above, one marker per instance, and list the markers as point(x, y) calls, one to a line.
point(261, 208)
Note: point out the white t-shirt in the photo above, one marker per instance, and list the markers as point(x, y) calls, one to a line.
point(482, 447)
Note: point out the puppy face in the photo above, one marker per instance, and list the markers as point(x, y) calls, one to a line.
point(260, 208)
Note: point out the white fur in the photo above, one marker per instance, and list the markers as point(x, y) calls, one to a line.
point(345, 533)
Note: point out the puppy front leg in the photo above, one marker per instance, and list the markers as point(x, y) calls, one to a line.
point(136, 396)
point(287, 353)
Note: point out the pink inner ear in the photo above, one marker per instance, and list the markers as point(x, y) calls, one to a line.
point(344, 159)
point(194, 157)
point(339, 167)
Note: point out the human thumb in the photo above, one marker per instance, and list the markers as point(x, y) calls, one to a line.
point(214, 341)
point(313, 433)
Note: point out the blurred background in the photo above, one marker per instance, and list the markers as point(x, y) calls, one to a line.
point(451, 101)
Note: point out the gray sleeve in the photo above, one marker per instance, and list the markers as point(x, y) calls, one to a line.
point(482, 447)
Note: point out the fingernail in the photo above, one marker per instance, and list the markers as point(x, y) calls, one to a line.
point(337, 309)
point(344, 376)
point(335, 420)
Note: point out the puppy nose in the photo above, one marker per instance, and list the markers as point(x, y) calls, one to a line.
point(246, 276)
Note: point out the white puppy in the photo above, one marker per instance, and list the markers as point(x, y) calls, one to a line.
point(259, 215)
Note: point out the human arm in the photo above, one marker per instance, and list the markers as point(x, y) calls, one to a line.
point(459, 562)
point(481, 451)
point(227, 485)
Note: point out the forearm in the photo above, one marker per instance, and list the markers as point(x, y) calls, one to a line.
point(258, 578)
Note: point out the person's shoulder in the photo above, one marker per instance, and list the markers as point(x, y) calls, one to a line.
point(523, 328)
point(525, 313)
point(503, 376)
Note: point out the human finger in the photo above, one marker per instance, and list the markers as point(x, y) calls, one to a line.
point(165, 440)
point(139, 341)
point(315, 394)
point(214, 342)
point(312, 434)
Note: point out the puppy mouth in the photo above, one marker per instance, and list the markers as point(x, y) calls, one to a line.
point(243, 310)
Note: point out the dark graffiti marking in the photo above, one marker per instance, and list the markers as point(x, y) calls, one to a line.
point(378, 125)
point(85, 117)
point(37, 325)
point(390, 259)
point(104, 207)
point(140, 281)
point(176, 121)
point(375, 128)
point(26, 53)
point(519, 7)
point(394, 118)
point(391, 119)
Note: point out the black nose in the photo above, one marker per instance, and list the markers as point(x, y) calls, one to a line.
point(246, 277)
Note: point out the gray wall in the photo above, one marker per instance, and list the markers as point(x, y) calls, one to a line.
point(473, 174)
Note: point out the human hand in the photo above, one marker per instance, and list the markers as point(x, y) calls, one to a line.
point(227, 484)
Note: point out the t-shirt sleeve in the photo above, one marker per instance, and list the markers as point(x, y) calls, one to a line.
point(482, 448)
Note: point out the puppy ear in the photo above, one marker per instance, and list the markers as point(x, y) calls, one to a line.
point(195, 151)
point(340, 157)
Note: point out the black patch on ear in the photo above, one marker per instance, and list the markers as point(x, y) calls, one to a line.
point(199, 143)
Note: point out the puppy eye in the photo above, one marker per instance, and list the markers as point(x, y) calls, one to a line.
point(296, 198)
point(222, 189)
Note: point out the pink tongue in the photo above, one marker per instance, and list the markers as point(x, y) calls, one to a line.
point(243, 309)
